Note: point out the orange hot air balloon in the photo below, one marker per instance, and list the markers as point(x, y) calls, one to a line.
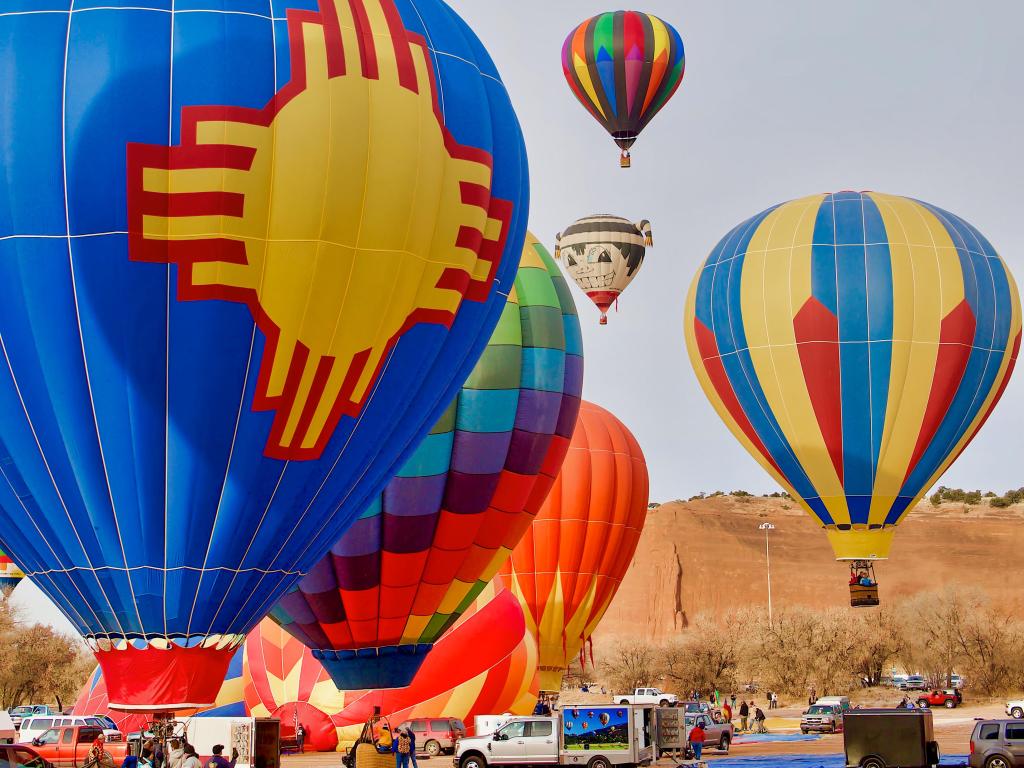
point(569, 565)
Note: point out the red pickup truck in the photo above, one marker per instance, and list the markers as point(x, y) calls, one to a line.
point(947, 699)
point(69, 746)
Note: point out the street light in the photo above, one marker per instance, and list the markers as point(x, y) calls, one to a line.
point(768, 559)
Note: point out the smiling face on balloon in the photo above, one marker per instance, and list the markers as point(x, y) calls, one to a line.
point(593, 266)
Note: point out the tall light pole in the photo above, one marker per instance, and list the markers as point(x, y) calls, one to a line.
point(766, 527)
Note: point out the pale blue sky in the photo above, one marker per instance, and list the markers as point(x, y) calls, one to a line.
point(781, 99)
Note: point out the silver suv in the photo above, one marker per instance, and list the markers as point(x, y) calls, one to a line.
point(997, 744)
point(822, 718)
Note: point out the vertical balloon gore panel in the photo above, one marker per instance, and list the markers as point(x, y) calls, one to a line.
point(218, 346)
point(854, 343)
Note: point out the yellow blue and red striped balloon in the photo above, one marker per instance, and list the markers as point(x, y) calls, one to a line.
point(854, 343)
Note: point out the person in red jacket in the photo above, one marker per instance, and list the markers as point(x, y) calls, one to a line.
point(697, 737)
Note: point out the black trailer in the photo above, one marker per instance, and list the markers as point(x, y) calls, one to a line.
point(890, 738)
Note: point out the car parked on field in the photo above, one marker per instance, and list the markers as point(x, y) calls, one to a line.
point(914, 683)
point(997, 744)
point(435, 735)
point(27, 710)
point(950, 699)
point(34, 726)
point(69, 747)
point(696, 707)
point(21, 756)
point(822, 718)
point(646, 696)
point(716, 735)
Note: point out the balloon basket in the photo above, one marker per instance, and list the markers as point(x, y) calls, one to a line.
point(863, 585)
point(625, 161)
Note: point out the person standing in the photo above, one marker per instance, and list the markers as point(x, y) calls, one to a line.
point(759, 718)
point(175, 755)
point(300, 738)
point(403, 746)
point(219, 761)
point(412, 746)
point(744, 714)
point(697, 737)
point(191, 759)
point(732, 700)
point(726, 712)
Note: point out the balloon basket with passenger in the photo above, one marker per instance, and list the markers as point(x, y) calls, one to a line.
point(373, 748)
point(863, 584)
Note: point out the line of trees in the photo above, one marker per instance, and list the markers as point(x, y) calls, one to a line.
point(37, 664)
point(836, 650)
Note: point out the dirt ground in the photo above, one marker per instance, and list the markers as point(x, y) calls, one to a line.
point(952, 731)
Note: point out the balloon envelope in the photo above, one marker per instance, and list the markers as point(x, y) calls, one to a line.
point(854, 344)
point(602, 255)
point(419, 555)
point(623, 67)
point(569, 565)
point(245, 263)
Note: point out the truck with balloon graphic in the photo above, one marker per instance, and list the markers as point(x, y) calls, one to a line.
point(608, 736)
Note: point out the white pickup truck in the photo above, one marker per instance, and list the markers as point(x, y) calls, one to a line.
point(647, 696)
point(576, 736)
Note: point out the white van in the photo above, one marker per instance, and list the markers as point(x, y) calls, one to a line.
point(36, 726)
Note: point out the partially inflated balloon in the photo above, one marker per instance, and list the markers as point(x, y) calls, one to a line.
point(624, 67)
point(486, 663)
point(422, 552)
point(244, 265)
point(571, 561)
point(284, 681)
point(854, 343)
point(602, 255)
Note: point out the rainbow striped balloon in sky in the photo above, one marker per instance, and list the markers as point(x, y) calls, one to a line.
point(624, 67)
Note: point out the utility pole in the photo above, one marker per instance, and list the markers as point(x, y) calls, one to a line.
point(766, 527)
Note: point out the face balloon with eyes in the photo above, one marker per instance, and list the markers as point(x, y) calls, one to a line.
point(602, 255)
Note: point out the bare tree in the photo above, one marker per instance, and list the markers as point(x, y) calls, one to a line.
point(630, 665)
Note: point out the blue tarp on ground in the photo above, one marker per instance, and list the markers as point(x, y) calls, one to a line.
point(767, 738)
point(802, 761)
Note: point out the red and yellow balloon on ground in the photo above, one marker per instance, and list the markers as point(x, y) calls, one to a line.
point(486, 663)
point(570, 563)
point(854, 343)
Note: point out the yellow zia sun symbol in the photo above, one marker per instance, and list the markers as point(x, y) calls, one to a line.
point(342, 214)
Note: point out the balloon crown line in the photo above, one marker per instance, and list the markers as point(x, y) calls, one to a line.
point(218, 642)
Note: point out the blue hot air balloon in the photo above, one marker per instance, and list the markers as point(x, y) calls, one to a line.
point(249, 250)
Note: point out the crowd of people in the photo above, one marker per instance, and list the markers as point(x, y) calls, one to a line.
point(179, 754)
